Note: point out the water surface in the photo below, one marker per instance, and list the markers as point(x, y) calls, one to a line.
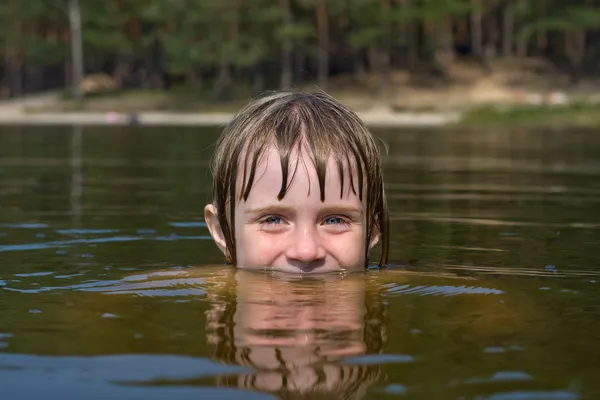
point(111, 288)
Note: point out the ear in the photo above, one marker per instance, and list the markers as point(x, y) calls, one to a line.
point(374, 236)
point(214, 227)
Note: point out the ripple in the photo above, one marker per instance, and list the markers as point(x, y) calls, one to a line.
point(503, 376)
point(490, 222)
point(68, 243)
point(165, 288)
point(34, 274)
point(463, 248)
point(545, 272)
point(119, 368)
point(535, 395)
point(188, 224)
point(86, 231)
point(146, 285)
point(376, 359)
point(113, 376)
point(23, 225)
point(493, 188)
point(396, 389)
point(446, 290)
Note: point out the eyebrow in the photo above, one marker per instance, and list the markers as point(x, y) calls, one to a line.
point(326, 210)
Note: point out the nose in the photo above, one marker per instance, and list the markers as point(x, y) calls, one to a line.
point(306, 248)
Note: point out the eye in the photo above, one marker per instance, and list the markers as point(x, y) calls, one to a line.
point(272, 220)
point(272, 223)
point(337, 223)
point(334, 220)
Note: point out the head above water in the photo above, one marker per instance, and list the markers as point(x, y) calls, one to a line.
point(298, 186)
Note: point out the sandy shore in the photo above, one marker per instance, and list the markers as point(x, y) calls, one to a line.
point(18, 112)
point(374, 119)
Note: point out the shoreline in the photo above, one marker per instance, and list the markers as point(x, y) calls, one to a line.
point(376, 119)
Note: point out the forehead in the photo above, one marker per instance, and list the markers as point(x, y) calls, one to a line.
point(302, 179)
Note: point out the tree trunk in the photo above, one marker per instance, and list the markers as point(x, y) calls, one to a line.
point(476, 34)
point(194, 78)
point(258, 79)
point(13, 50)
point(373, 59)
point(490, 48)
point(542, 35)
point(323, 40)
point(222, 89)
point(32, 79)
point(359, 65)
point(76, 48)
point(542, 42)
point(158, 75)
point(413, 45)
point(384, 53)
point(15, 77)
point(444, 52)
point(508, 26)
point(404, 29)
point(287, 46)
point(299, 58)
point(523, 46)
point(4, 84)
point(575, 51)
point(122, 71)
point(234, 33)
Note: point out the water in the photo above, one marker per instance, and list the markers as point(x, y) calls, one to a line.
point(111, 288)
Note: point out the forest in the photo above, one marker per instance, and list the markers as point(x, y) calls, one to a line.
point(265, 44)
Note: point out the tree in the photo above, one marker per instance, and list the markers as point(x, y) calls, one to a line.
point(227, 43)
point(287, 44)
point(76, 47)
point(322, 20)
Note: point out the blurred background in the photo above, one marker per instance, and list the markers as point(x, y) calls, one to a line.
point(111, 286)
point(207, 55)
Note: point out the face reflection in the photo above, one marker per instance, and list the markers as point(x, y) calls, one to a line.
point(294, 332)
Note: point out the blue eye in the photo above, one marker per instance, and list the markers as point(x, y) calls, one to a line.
point(272, 220)
point(334, 220)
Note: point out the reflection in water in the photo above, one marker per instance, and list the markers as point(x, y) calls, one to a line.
point(294, 332)
point(76, 173)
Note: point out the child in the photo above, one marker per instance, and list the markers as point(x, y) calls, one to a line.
point(298, 187)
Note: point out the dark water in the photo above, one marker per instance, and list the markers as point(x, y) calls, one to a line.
point(111, 288)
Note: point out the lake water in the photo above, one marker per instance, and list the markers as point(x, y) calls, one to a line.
point(111, 288)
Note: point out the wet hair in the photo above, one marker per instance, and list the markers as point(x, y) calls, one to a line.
point(293, 121)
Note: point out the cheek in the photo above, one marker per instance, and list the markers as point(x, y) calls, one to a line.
point(254, 249)
point(349, 248)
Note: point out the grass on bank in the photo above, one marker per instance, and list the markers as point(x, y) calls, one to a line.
point(575, 114)
point(184, 100)
point(177, 100)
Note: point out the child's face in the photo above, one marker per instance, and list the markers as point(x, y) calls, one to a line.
point(300, 233)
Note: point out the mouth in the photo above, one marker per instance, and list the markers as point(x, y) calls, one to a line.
point(306, 270)
point(299, 270)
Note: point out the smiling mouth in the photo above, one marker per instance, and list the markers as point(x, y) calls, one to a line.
point(306, 269)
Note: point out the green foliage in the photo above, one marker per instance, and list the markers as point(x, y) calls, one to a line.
point(434, 10)
point(540, 16)
point(42, 52)
point(201, 35)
